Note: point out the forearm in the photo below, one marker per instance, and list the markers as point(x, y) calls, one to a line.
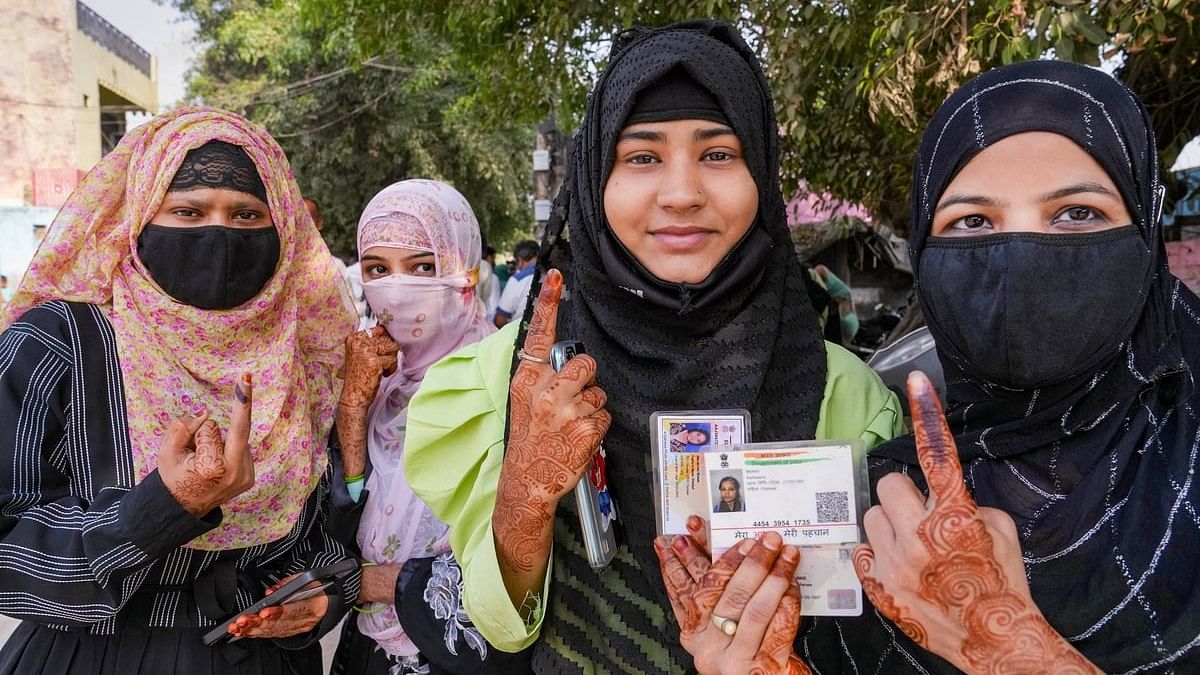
point(352, 433)
point(522, 524)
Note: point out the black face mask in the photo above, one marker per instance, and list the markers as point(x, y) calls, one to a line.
point(210, 267)
point(1027, 310)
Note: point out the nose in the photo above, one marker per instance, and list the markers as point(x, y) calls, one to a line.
point(679, 187)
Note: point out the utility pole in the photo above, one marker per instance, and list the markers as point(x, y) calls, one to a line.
point(549, 169)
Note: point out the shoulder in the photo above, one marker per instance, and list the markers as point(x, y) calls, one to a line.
point(856, 402)
point(458, 413)
point(57, 324)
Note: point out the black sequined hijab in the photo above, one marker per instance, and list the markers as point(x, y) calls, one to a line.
point(1096, 471)
point(746, 337)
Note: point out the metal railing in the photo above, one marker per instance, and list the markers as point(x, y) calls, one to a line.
point(94, 26)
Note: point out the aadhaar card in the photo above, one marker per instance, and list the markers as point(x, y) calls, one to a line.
point(808, 492)
point(679, 439)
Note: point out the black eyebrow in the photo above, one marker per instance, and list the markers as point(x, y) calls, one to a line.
point(417, 254)
point(975, 200)
point(371, 257)
point(712, 132)
point(642, 135)
point(1078, 188)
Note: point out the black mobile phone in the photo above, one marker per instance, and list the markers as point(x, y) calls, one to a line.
point(596, 513)
point(292, 591)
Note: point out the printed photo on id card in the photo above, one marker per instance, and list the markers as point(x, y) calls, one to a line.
point(678, 439)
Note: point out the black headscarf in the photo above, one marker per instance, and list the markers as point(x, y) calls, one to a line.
point(746, 337)
point(1096, 470)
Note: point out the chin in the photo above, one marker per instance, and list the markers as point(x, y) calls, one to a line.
point(683, 273)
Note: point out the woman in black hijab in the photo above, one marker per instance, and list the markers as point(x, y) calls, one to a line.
point(688, 295)
point(1068, 349)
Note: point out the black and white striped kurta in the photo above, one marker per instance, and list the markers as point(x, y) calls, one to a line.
point(82, 546)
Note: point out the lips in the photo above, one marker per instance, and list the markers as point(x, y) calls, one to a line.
point(682, 238)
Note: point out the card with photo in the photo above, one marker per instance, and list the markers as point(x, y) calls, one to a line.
point(812, 493)
point(678, 440)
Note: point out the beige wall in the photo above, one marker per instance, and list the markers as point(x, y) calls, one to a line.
point(95, 66)
point(37, 102)
point(48, 69)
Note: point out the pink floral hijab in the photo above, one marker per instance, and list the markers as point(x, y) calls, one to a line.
point(429, 317)
point(176, 358)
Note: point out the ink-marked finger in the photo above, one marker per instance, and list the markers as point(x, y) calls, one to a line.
point(936, 451)
point(239, 421)
point(543, 328)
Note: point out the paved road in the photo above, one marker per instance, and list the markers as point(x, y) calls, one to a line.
point(328, 643)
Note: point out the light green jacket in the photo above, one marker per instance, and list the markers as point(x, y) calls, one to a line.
point(455, 445)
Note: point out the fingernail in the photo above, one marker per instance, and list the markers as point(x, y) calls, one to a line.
point(745, 545)
point(771, 543)
point(694, 523)
point(661, 543)
point(790, 554)
point(554, 278)
point(679, 544)
point(241, 390)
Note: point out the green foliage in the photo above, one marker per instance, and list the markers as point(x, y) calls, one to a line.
point(854, 80)
point(352, 126)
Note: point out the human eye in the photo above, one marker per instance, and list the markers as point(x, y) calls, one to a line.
point(972, 224)
point(247, 215)
point(424, 269)
point(185, 212)
point(1079, 216)
point(718, 156)
point(377, 271)
point(641, 158)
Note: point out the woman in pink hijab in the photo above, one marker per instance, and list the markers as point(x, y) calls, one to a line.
point(419, 246)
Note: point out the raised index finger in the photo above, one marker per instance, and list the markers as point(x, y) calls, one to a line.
point(936, 451)
point(543, 328)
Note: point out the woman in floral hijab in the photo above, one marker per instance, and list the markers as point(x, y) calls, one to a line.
point(167, 373)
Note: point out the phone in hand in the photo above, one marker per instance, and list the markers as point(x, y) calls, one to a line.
point(597, 510)
point(295, 590)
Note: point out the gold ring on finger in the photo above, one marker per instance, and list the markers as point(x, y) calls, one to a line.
point(725, 625)
point(526, 356)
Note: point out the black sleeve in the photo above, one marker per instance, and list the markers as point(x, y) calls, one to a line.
point(76, 542)
point(318, 549)
point(430, 608)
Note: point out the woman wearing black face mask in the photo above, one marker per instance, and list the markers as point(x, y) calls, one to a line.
point(1069, 352)
point(167, 374)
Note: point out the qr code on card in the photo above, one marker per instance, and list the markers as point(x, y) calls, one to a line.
point(833, 507)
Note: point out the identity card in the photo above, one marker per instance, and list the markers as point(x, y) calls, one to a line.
point(812, 493)
point(678, 440)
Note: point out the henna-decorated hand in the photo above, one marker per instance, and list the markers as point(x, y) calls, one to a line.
point(557, 423)
point(370, 354)
point(199, 468)
point(948, 572)
point(752, 583)
point(285, 620)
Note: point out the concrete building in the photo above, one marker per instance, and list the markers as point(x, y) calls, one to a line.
point(66, 84)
